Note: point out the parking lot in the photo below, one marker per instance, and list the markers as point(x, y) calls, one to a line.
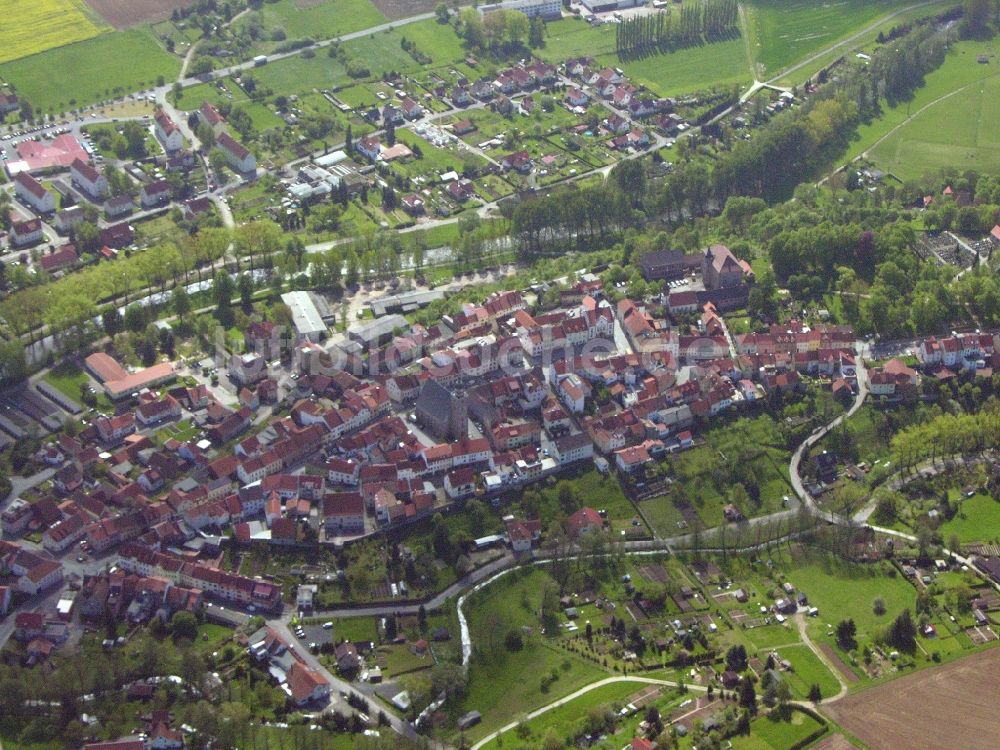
point(313, 633)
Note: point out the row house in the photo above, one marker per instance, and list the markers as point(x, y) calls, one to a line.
point(34, 573)
point(460, 483)
point(65, 534)
point(107, 533)
point(342, 471)
point(344, 512)
point(956, 351)
point(512, 435)
point(572, 448)
point(255, 469)
point(152, 411)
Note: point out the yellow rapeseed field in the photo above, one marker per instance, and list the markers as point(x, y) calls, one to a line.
point(30, 26)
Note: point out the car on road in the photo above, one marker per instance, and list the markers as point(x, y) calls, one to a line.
point(327, 626)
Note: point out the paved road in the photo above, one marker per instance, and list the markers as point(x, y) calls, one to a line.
point(582, 691)
point(436, 602)
point(819, 434)
point(800, 621)
point(361, 690)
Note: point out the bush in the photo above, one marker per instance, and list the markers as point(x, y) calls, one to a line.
point(514, 641)
point(357, 69)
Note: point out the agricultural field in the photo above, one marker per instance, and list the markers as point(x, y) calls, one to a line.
point(89, 71)
point(320, 19)
point(124, 14)
point(782, 32)
point(33, 27)
point(920, 710)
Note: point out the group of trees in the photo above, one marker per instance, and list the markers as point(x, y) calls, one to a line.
point(571, 218)
point(649, 34)
point(127, 141)
point(502, 32)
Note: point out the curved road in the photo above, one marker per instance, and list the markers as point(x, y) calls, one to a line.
point(819, 434)
point(800, 621)
point(582, 691)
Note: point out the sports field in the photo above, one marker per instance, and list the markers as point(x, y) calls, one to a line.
point(31, 26)
point(82, 73)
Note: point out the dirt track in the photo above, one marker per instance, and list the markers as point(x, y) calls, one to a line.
point(124, 14)
point(947, 707)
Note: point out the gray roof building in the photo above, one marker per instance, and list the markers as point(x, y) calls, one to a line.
point(372, 333)
point(305, 317)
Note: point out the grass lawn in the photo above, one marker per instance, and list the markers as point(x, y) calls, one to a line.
point(718, 64)
point(384, 51)
point(355, 629)
point(503, 684)
point(504, 692)
point(978, 520)
point(913, 149)
point(705, 473)
point(783, 32)
point(434, 160)
point(807, 670)
point(297, 74)
point(767, 733)
point(771, 636)
point(567, 720)
point(89, 71)
point(39, 25)
point(320, 20)
point(842, 589)
point(68, 378)
point(572, 37)
point(683, 71)
point(687, 70)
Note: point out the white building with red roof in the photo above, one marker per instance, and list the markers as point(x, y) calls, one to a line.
point(31, 192)
point(88, 179)
point(239, 156)
point(167, 132)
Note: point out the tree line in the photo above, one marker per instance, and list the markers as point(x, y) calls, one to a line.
point(651, 34)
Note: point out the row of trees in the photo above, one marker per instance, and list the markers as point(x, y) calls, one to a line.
point(947, 435)
point(650, 34)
